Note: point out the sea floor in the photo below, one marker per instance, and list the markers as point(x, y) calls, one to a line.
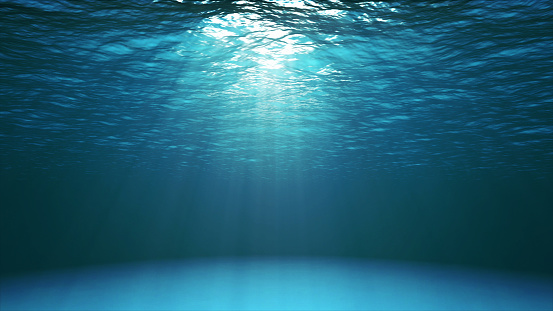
point(276, 284)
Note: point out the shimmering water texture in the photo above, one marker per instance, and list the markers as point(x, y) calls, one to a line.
point(276, 284)
point(144, 131)
point(277, 88)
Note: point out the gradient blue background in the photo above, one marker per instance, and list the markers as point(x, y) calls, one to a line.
point(139, 131)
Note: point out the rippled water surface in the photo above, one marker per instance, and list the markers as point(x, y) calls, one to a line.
point(277, 88)
point(155, 130)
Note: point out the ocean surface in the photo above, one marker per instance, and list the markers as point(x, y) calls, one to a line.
point(415, 131)
point(277, 88)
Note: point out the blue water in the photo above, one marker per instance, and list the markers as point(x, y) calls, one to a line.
point(152, 131)
point(277, 88)
point(276, 284)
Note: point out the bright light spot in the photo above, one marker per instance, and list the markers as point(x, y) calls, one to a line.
point(276, 33)
point(270, 63)
point(336, 13)
point(263, 78)
point(299, 4)
point(261, 41)
point(218, 33)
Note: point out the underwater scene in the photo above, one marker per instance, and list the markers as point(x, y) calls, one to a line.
point(276, 154)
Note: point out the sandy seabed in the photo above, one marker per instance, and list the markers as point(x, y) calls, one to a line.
point(276, 284)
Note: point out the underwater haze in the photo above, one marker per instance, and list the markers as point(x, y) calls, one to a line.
point(143, 131)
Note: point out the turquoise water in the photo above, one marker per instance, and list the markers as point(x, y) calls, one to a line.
point(276, 284)
point(146, 131)
point(274, 89)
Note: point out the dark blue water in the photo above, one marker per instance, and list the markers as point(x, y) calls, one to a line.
point(397, 130)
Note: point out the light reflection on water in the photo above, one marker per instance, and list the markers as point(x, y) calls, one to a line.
point(287, 86)
point(134, 107)
point(275, 96)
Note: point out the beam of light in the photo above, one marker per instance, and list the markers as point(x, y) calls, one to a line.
point(266, 90)
point(266, 87)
